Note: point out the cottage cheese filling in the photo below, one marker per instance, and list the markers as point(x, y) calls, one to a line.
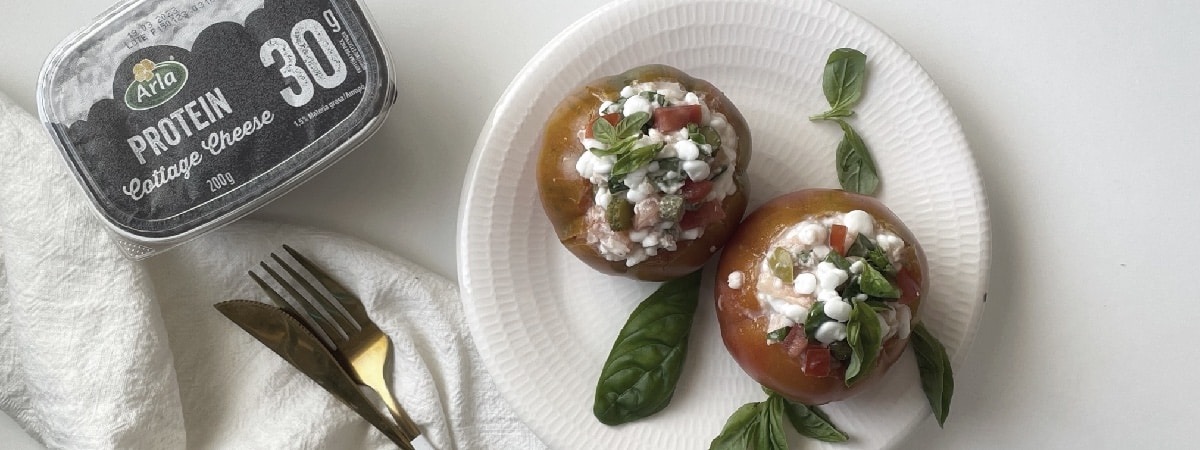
point(804, 282)
point(659, 167)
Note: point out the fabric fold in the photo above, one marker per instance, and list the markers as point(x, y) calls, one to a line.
point(97, 351)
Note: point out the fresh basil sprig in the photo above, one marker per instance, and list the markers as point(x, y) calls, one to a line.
point(639, 377)
point(845, 73)
point(937, 379)
point(620, 138)
point(759, 425)
point(855, 167)
point(865, 337)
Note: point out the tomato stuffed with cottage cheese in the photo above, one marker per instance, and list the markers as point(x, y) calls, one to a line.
point(817, 292)
point(643, 174)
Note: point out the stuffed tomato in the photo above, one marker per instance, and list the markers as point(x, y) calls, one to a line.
point(643, 174)
point(816, 293)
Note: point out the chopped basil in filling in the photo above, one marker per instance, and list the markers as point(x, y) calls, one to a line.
point(806, 285)
point(659, 162)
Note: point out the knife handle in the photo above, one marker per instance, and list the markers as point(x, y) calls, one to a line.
point(292, 341)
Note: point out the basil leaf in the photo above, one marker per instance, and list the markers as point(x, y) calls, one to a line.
point(866, 339)
point(810, 422)
point(837, 260)
point(779, 335)
point(772, 424)
point(635, 159)
point(937, 379)
point(620, 147)
point(735, 434)
point(604, 131)
point(861, 247)
point(617, 185)
point(855, 169)
point(873, 283)
point(845, 71)
point(631, 125)
point(878, 259)
point(782, 265)
point(816, 316)
point(639, 376)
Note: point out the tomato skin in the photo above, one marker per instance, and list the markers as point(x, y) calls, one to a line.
point(565, 195)
point(669, 119)
point(743, 323)
point(708, 213)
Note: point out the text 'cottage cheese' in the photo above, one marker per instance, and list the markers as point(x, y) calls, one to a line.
point(179, 116)
point(660, 163)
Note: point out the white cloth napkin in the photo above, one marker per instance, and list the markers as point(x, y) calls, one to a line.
point(100, 352)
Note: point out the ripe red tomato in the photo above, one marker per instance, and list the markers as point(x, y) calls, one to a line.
point(673, 118)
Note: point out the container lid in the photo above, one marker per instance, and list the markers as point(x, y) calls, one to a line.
point(179, 116)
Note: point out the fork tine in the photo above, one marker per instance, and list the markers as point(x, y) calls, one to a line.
point(353, 306)
point(348, 325)
point(275, 297)
point(331, 332)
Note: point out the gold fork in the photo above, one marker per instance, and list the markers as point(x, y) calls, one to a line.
point(356, 340)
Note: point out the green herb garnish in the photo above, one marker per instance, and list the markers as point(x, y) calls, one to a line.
point(855, 168)
point(779, 335)
point(937, 379)
point(759, 425)
point(621, 138)
point(639, 376)
point(845, 72)
point(865, 337)
point(872, 282)
point(635, 159)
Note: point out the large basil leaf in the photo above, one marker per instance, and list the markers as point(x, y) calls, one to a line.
point(639, 377)
point(865, 337)
point(855, 169)
point(937, 379)
point(737, 433)
point(845, 73)
point(810, 422)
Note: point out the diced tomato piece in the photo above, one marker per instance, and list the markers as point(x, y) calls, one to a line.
point(695, 191)
point(795, 342)
point(818, 361)
point(837, 238)
point(613, 118)
point(708, 212)
point(668, 119)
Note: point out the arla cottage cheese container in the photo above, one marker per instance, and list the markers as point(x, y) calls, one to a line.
point(179, 116)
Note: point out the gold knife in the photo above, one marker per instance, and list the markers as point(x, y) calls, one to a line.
point(292, 341)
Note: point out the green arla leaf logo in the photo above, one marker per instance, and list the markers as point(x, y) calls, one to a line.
point(154, 83)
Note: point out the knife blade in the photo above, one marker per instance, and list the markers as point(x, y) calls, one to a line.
point(293, 342)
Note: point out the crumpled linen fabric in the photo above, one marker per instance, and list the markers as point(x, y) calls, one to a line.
point(97, 351)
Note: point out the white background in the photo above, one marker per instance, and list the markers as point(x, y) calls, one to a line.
point(1083, 117)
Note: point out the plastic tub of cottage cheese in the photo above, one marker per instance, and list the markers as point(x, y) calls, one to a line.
point(180, 116)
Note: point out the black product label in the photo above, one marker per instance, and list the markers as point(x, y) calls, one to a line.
point(192, 133)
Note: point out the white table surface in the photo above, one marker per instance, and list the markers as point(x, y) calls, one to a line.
point(1084, 117)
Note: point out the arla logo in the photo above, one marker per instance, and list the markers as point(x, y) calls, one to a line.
point(154, 83)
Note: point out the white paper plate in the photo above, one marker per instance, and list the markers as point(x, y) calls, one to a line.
point(544, 322)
